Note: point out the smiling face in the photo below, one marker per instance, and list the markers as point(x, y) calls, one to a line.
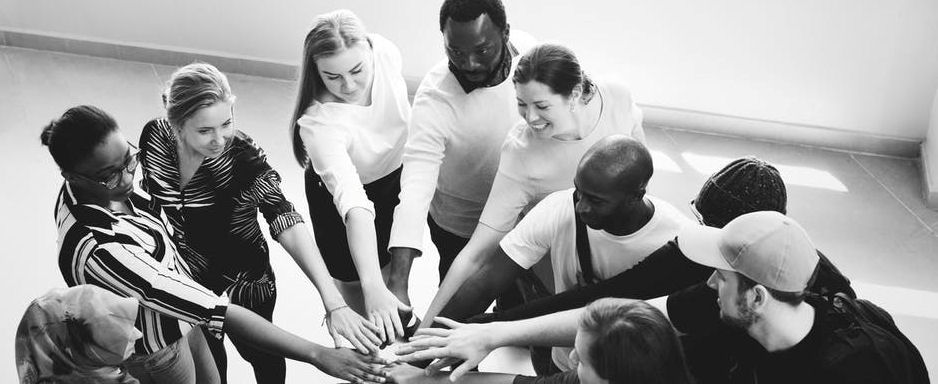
point(580, 355)
point(208, 130)
point(548, 114)
point(112, 158)
point(474, 47)
point(348, 75)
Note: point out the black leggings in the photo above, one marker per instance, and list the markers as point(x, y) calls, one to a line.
point(329, 228)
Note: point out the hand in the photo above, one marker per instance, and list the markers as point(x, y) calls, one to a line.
point(382, 307)
point(405, 374)
point(468, 342)
point(346, 364)
point(344, 322)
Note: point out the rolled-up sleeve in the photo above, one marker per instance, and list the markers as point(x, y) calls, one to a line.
point(327, 149)
point(422, 158)
point(277, 210)
point(130, 271)
point(261, 187)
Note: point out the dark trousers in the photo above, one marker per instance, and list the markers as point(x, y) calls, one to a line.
point(267, 368)
point(447, 244)
point(329, 227)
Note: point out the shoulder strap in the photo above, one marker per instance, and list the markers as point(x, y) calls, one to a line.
point(584, 254)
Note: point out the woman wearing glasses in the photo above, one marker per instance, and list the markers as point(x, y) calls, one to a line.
point(115, 239)
point(211, 180)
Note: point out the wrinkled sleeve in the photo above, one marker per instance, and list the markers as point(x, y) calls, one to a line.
point(423, 155)
point(327, 148)
point(262, 188)
point(129, 271)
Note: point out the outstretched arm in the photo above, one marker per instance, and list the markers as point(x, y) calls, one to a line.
point(663, 272)
point(483, 284)
point(341, 363)
point(473, 342)
point(342, 320)
point(383, 306)
point(402, 258)
point(479, 260)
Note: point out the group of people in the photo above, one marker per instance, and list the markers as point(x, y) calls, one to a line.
point(508, 153)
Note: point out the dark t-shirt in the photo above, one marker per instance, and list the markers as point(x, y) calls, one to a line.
point(834, 351)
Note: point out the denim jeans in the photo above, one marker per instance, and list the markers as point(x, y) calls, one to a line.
point(170, 365)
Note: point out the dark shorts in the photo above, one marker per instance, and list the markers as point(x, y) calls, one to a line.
point(568, 377)
point(329, 228)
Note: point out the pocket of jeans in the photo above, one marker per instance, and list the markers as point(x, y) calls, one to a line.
point(163, 359)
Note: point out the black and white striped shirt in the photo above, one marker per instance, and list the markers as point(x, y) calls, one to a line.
point(133, 255)
point(215, 215)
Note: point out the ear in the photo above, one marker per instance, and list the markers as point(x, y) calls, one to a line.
point(759, 297)
point(576, 93)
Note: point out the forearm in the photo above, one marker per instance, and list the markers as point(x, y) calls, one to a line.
point(480, 249)
point(362, 240)
point(554, 330)
point(481, 287)
point(401, 261)
point(297, 241)
point(249, 327)
point(664, 271)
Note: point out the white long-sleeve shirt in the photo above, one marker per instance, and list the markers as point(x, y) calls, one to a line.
point(352, 145)
point(532, 167)
point(465, 129)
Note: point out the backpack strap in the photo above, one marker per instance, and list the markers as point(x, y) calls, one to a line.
point(584, 254)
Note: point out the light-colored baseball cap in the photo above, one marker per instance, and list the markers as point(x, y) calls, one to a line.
point(767, 247)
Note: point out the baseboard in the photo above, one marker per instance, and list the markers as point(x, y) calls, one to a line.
point(147, 53)
point(929, 184)
point(704, 122)
point(783, 132)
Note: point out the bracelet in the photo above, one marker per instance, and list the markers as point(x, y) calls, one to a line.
point(329, 312)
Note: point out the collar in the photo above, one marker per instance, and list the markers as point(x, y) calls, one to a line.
point(92, 213)
point(499, 75)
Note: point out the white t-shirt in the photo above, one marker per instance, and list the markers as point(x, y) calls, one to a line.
point(550, 227)
point(532, 166)
point(351, 145)
point(465, 129)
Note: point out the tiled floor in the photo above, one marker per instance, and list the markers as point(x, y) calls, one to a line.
point(865, 212)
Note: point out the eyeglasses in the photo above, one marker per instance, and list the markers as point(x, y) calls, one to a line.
point(693, 209)
point(114, 178)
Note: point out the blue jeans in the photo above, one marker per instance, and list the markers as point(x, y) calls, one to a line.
point(170, 365)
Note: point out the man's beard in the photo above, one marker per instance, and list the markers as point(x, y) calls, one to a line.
point(746, 316)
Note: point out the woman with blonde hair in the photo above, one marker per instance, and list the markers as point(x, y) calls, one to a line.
point(349, 127)
point(114, 238)
point(211, 180)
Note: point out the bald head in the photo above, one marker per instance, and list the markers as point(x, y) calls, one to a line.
point(620, 161)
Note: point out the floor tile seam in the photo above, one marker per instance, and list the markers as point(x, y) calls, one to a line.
point(894, 196)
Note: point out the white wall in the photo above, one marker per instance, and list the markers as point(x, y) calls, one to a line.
point(866, 66)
